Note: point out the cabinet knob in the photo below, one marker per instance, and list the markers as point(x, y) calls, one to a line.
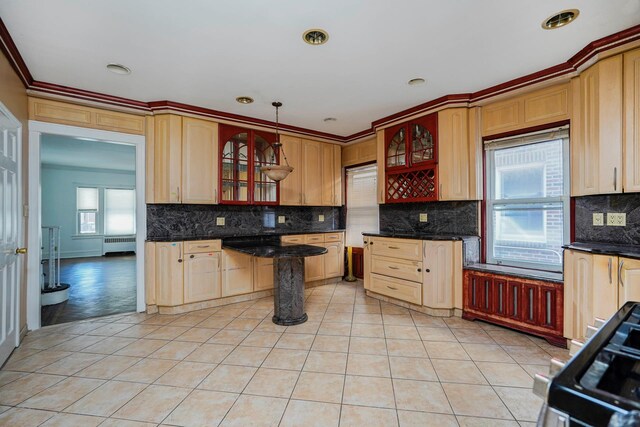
point(427, 270)
point(179, 260)
point(192, 256)
point(419, 270)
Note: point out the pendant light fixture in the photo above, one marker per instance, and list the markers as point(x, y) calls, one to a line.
point(277, 172)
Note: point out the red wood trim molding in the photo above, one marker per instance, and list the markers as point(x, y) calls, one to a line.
point(12, 54)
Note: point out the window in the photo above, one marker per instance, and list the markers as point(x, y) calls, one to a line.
point(362, 204)
point(119, 212)
point(87, 208)
point(528, 199)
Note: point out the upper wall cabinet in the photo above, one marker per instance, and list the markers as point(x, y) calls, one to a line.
point(631, 135)
point(459, 155)
point(185, 160)
point(410, 161)
point(291, 186)
point(242, 153)
point(46, 110)
point(362, 152)
point(596, 129)
point(545, 106)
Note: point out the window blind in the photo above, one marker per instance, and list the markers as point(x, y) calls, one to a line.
point(362, 205)
point(119, 211)
point(87, 198)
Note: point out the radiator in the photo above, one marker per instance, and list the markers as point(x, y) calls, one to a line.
point(118, 244)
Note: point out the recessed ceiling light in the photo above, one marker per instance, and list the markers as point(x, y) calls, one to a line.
point(315, 36)
point(330, 119)
point(244, 99)
point(118, 69)
point(416, 81)
point(560, 19)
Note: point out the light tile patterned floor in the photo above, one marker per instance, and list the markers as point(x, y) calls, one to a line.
point(356, 362)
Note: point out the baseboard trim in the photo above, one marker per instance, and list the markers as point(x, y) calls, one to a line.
point(436, 312)
point(203, 305)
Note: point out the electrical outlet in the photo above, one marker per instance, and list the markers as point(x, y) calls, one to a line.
point(424, 217)
point(220, 221)
point(281, 219)
point(598, 219)
point(617, 219)
point(321, 218)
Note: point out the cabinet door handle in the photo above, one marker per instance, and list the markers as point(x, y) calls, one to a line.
point(615, 179)
point(192, 256)
point(620, 273)
point(393, 268)
point(178, 193)
point(440, 189)
point(215, 195)
point(427, 270)
point(392, 288)
point(203, 246)
point(393, 247)
point(179, 259)
point(419, 270)
point(381, 196)
point(610, 278)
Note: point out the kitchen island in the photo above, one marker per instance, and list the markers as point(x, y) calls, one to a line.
point(288, 271)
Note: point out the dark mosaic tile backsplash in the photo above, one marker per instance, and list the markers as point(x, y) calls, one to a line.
point(616, 203)
point(458, 218)
point(178, 221)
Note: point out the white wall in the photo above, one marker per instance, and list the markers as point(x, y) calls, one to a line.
point(58, 185)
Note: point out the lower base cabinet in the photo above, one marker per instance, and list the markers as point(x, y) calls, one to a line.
point(237, 273)
point(202, 277)
point(326, 266)
point(262, 274)
point(531, 306)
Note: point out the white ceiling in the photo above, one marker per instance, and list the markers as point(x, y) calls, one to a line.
point(66, 151)
point(206, 53)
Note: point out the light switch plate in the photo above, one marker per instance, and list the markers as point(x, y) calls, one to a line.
point(220, 220)
point(321, 218)
point(281, 219)
point(617, 219)
point(424, 217)
point(598, 219)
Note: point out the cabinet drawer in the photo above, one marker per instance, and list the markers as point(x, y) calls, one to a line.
point(333, 237)
point(297, 239)
point(398, 248)
point(394, 267)
point(311, 239)
point(397, 288)
point(201, 246)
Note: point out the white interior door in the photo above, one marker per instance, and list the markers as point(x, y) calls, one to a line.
point(9, 231)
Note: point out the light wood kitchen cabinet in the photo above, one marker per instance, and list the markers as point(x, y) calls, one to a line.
point(311, 173)
point(381, 156)
point(359, 153)
point(199, 161)
point(404, 290)
point(167, 168)
point(169, 273)
point(314, 265)
point(596, 129)
point(442, 283)
point(337, 176)
point(408, 249)
point(262, 273)
point(201, 277)
point(291, 188)
point(629, 280)
point(326, 266)
point(631, 136)
point(604, 286)
point(237, 273)
point(334, 260)
point(328, 177)
point(454, 164)
point(578, 300)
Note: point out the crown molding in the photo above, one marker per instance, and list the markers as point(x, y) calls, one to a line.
point(581, 59)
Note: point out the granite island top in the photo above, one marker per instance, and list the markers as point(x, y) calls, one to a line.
point(628, 251)
point(270, 247)
point(419, 236)
point(243, 235)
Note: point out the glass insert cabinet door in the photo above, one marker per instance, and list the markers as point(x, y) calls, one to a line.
point(243, 153)
point(413, 143)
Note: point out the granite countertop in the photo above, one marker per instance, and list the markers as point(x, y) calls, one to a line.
point(270, 247)
point(547, 276)
point(420, 236)
point(261, 234)
point(628, 251)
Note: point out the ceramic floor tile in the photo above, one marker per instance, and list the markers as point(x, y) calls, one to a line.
point(36, 361)
point(485, 401)
point(458, 371)
point(23, 388)
point(365, 330)
point(412, 368)
point(523, 404)
point(473, 335)
point(506, 337)
point(368, 391)
point(228, 378)
point(457, 322)
point(152, 404)
point(146, 371)
point(358, 416)
point(304, 328)
point(421, 396)
point(272, 383)
point(71, 364)
point(368, 318)
point(217, 322)
point(110, 329)
point(167, 332)
point(198, 335)
point(368, 365)
point(137, 331)
point(310, 414)
point(72, 420)
point(505, 374)
point(485, 422)
point(487, 353)
point(175, 350)
point(286, 359)
point(295, 341)
point(243, 324)
point(409, 348)
point(210, 353)
point(142, 347)
point(186, 374)
point(24, 417)
point(363, 345)
point(202, 408)
point(116, 422)
point(340, 329)
point(63, 394)
point(109, 345)
point(255, 411)
point(78, 343)
point(424, 419)
point(445, 350)
point(327, 362)
point(261, 339)
point(247, 356)
point(330, 343)
point(7, 377)
point(106, 399)
point(436, 334)
point(401, 332)
point(319, 387)
point(528, 354)
point(397, 319)
point(108, 367)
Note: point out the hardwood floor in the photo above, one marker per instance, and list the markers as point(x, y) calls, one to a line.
point(100, 286)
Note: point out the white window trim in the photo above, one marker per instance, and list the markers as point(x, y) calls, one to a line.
point(491, 203)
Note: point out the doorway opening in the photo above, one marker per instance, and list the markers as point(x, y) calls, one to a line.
point(87, 225)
